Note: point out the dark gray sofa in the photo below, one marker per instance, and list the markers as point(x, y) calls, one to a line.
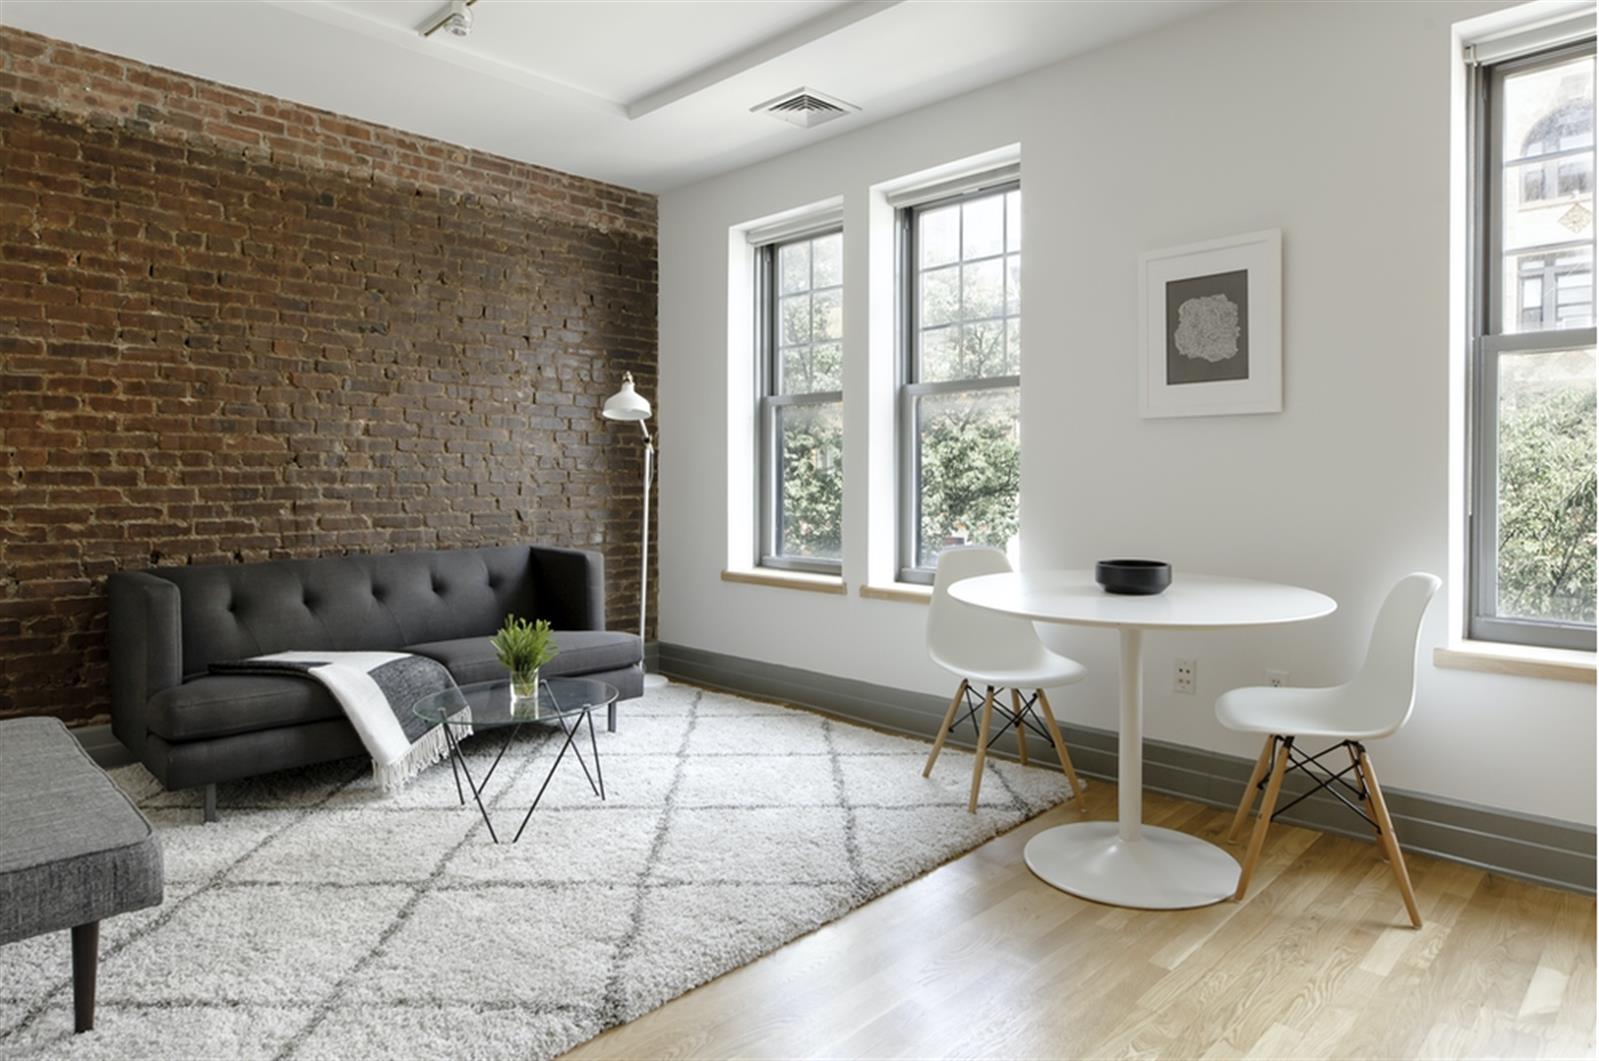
point(193, 728)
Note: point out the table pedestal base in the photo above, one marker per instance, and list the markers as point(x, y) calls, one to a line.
point(1161, 870)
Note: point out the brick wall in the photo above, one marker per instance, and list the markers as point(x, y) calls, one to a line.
point(234, 328)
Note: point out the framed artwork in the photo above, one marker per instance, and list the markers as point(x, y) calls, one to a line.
point(1211, 333)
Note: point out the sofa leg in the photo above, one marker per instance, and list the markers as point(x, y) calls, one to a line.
point(85, 962)
point(610, 718)
point(210, 803)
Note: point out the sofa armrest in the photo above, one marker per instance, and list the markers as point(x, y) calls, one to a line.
point(146, 649)
point(569, 588)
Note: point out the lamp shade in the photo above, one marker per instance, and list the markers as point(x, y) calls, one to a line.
point(627, 403)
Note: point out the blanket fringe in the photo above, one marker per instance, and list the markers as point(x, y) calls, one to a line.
point(428, 749)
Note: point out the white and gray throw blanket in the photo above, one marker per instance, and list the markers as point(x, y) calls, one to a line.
point(377, 691)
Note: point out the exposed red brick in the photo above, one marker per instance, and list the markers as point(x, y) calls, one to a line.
point(234, 328)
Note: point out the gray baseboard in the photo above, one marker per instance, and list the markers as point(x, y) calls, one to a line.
point(1532, 848)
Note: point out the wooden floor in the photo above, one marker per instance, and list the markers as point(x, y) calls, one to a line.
point(980, 959)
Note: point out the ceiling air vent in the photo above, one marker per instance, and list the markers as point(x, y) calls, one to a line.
point(805, 108)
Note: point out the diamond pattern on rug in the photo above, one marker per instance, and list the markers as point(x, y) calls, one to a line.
point(775, 846)
point(245, 944)
point(757, 781)
point(713, 926)
point(404, 1030)
point(193, 853)
point(576, 848)
point(355, 847)
point(191, 1030)
point(527, 946)
point(323, 918)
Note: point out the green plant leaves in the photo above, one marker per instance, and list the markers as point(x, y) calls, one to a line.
point(524, 646)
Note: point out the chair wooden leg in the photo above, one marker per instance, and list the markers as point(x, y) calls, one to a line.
point(1257, 839)
point(1060, 750)
point(982, 750)
point(1354, 758)
point(1389, 841)
point(1261, 765)
point(1021, 730)
point(943, 730)
point(85, 963)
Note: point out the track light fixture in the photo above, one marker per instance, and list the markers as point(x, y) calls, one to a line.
point(456, 19)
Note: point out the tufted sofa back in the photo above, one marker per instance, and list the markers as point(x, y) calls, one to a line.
point(230, 611)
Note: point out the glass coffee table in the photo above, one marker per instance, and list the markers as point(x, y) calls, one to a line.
point(569, 703)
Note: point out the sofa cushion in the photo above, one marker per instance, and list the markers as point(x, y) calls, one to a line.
point(73, 848)
point(221, 704)
point(472, 659)
point(230, 611)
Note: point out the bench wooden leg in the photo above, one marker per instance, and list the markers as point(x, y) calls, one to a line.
point(85, 961)
point(210, 803)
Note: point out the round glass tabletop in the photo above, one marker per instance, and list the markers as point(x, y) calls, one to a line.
point(484, 704)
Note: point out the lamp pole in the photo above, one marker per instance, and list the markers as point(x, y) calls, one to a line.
point(644, 564)
point(629, 404)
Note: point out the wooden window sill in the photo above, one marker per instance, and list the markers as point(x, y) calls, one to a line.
point(775, 579)
point(909, 592)
point(1526, 661)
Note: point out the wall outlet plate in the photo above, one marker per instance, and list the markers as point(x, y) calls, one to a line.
point(1186, 676)
point(1276, 678)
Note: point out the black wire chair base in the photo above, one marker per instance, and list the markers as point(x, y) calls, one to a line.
point(595, 778)
point(1324, 778)
point(1009, 716)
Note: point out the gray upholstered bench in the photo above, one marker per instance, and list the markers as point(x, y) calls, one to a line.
point(73, 848)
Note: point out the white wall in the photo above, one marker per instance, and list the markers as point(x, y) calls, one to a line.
point(1331, 122)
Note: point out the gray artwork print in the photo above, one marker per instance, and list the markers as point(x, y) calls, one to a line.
point(1207, 328)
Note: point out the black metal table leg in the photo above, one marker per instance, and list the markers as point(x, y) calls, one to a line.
point(588, 712)
point(571, 720)
point(477, 794)
point(506, 744)
point(578, 752)
point(596, 747)
point(570, 733)
point(449, 740)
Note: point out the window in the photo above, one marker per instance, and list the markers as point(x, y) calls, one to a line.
point(800, 300)
point(1533, 491)
point(960, 402)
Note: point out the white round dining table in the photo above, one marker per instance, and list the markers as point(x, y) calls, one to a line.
point(1125, 862)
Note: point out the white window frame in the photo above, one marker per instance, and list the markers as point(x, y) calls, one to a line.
point(769, 400)
point(911, 389)
point(1490, 340)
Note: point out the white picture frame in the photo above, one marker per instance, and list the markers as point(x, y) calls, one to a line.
point(1210, 333)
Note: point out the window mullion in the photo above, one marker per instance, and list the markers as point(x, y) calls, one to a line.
point(1539, 342)
point(961, 386)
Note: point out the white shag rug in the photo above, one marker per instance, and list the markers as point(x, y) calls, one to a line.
point(320, 919)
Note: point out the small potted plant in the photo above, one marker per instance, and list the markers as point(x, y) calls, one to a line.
point(523, 648)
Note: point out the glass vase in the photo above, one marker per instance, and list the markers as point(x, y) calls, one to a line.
point(525, 692)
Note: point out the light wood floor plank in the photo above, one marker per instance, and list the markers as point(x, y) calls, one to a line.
point(980, 958)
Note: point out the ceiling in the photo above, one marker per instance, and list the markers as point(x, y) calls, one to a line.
point(650, 94)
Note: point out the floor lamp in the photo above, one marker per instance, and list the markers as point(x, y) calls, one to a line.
point(629, 404)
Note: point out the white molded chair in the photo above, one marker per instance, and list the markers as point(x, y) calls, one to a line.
point(1374, 705)
point(997, 652)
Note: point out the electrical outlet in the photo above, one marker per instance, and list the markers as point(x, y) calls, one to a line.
point(1183, 681)
point(1276, 678)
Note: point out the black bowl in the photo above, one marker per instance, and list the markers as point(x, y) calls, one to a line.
point(1138, 578)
